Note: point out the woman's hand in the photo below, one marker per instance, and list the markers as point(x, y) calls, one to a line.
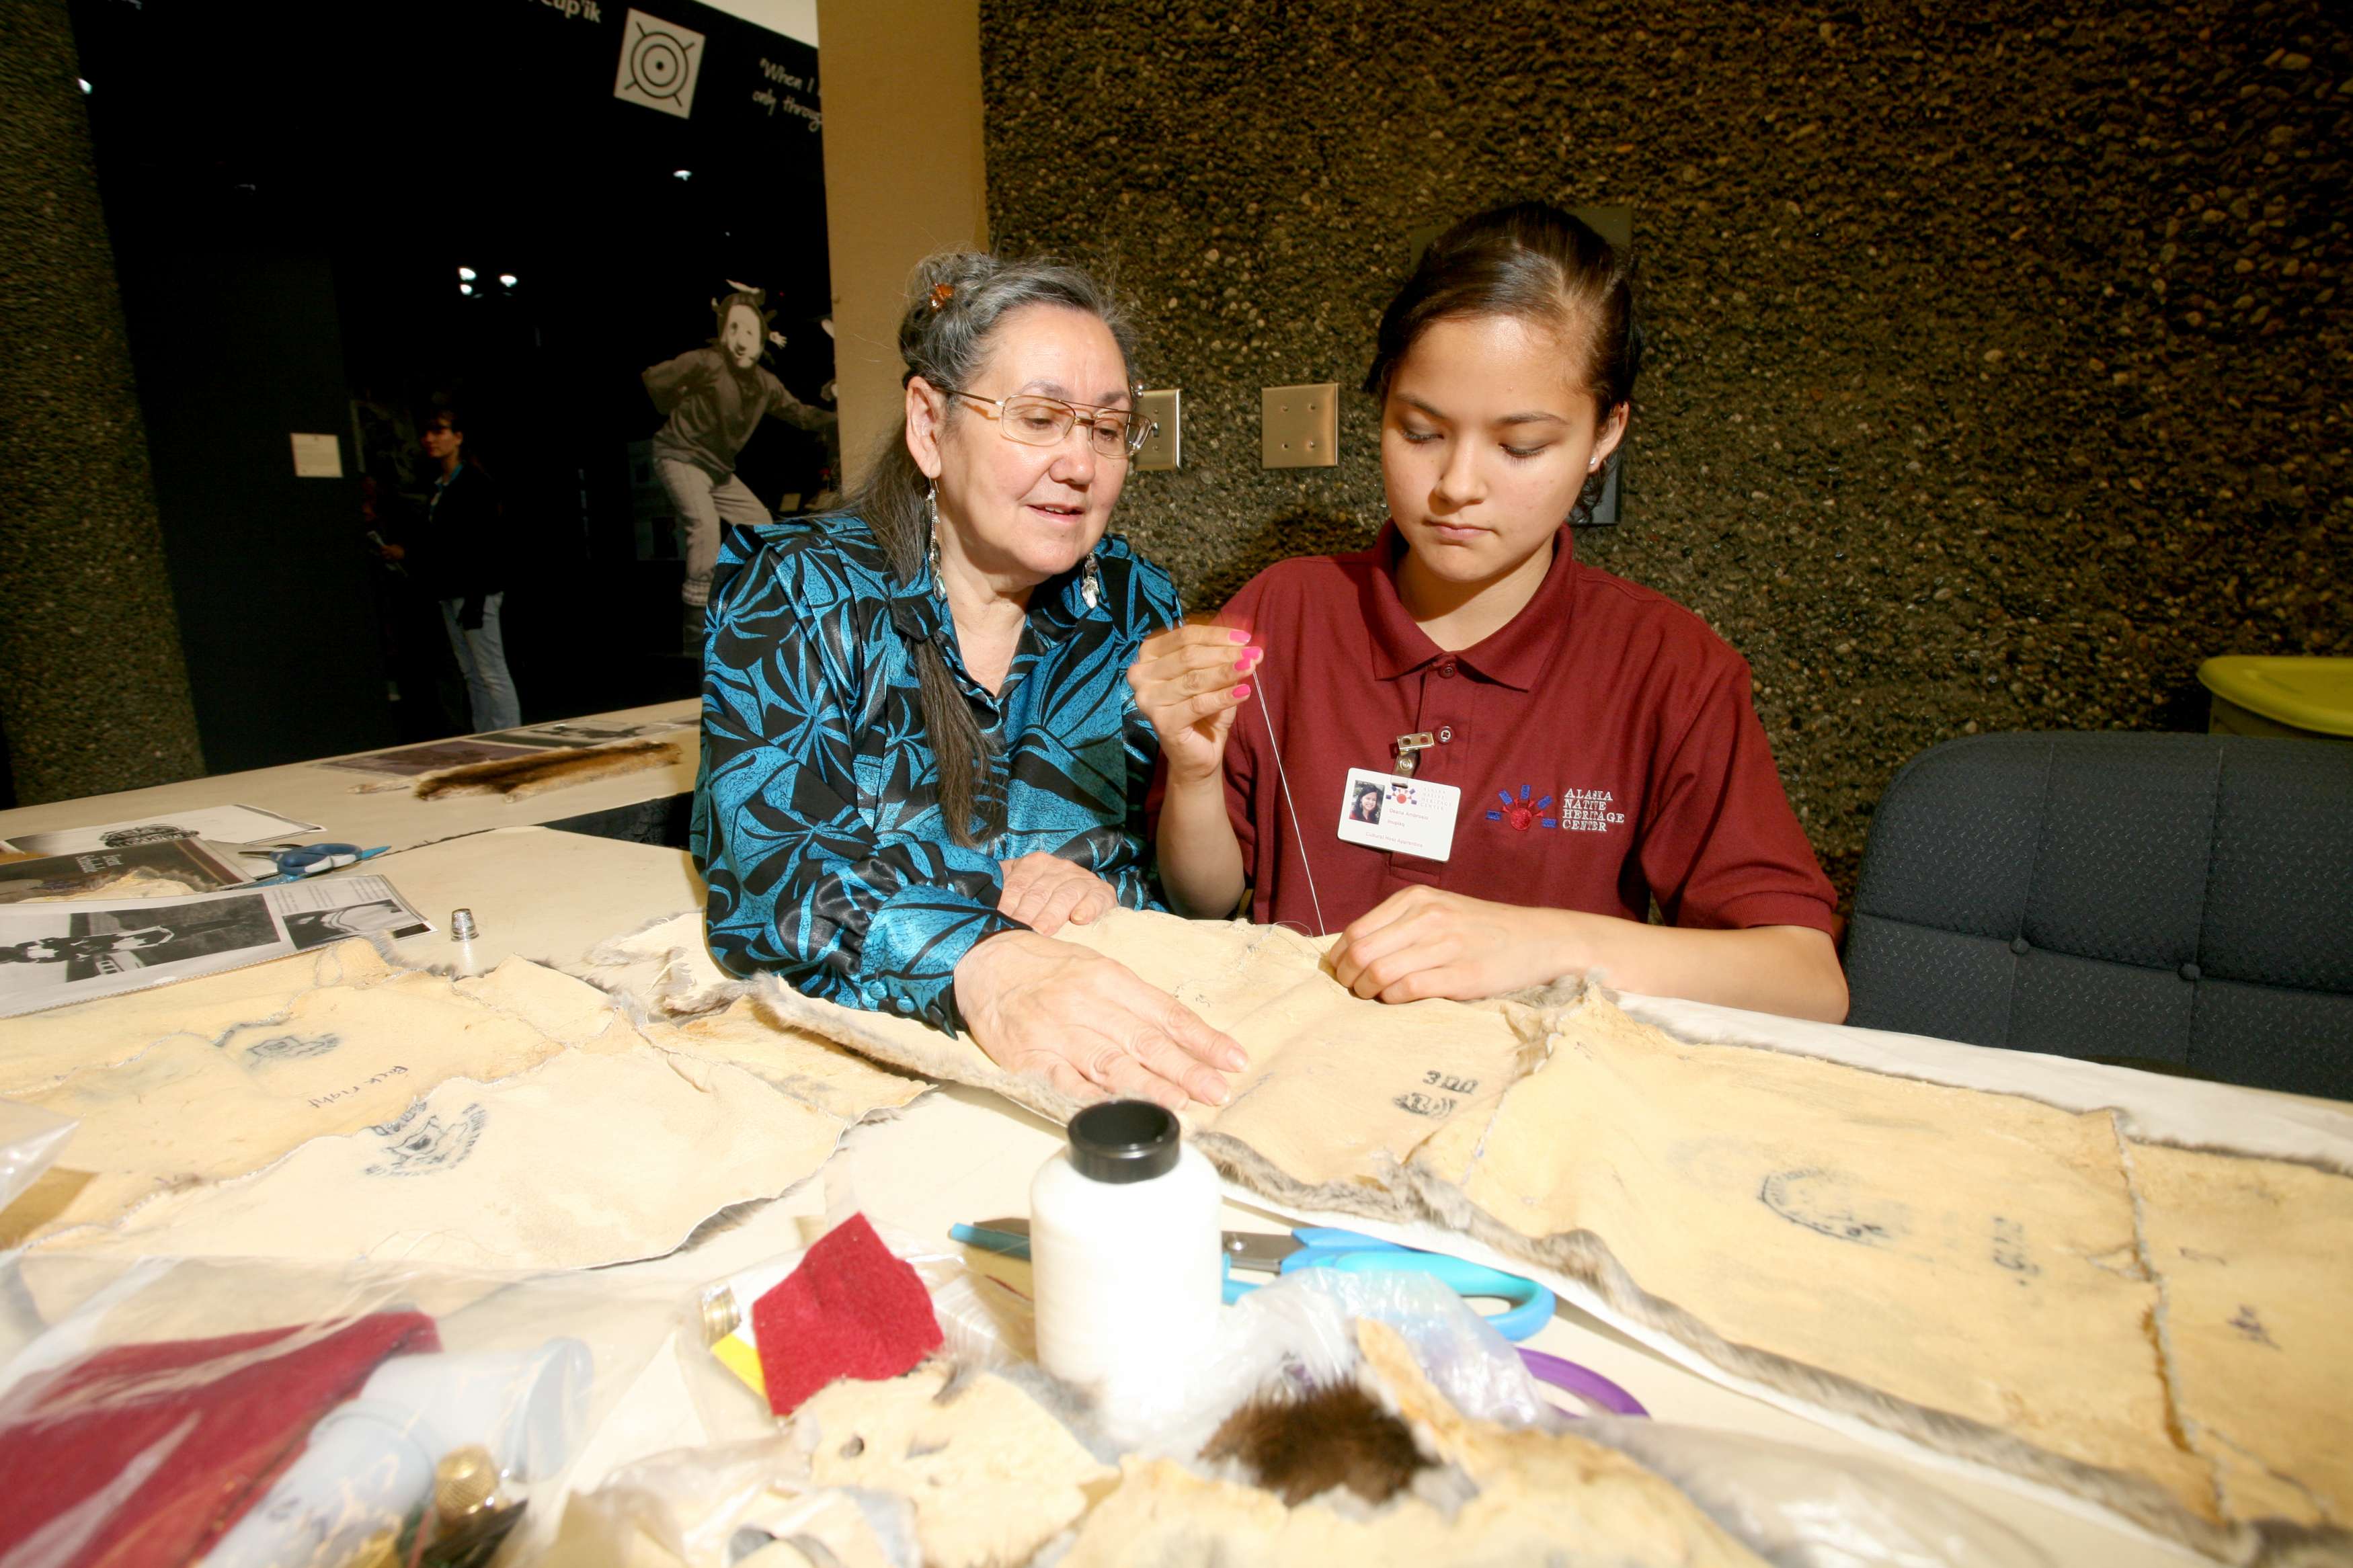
point(1425, 942)
point(1087, 1024)
point(1045, 891)
point(1189, 682)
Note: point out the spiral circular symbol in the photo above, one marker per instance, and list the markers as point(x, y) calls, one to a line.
point(657, 65)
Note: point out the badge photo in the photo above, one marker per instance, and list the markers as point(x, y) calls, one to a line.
point(1391, 811)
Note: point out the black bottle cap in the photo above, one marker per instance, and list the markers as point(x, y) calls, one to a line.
point(1125, 1141)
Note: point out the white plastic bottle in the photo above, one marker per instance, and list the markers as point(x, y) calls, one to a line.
point(1126, 1260)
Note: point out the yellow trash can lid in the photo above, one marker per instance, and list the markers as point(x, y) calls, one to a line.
point(2309, 693)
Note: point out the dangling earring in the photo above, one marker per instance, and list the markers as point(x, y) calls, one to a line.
point(932, 519)
point(1091, 583)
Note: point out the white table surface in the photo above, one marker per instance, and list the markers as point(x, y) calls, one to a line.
point(961, 1155)
point(310, 792)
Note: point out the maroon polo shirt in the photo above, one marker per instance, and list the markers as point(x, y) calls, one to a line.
point(1603, 740)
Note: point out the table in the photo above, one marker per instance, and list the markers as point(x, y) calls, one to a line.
point(960, 1154)
point(309, 792)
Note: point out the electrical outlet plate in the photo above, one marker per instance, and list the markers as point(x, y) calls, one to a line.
point(1300, 426)
point(1166, 449)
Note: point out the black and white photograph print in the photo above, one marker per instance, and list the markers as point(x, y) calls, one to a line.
point(45, 947)
point(317, 927)
point(221, 824)
point(146, 870)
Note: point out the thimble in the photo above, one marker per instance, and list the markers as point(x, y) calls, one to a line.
point(719, 1313)
point(461, 925)
point(465, 1482)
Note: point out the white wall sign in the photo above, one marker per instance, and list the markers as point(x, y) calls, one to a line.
point(660, 62)
point(317, 456)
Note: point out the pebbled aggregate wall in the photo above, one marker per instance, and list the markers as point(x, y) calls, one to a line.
point(1999, 361)
point(93, 687)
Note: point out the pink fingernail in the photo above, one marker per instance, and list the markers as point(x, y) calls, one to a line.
point(1239, 636)
point(1242, 693)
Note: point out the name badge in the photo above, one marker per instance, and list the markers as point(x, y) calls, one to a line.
point(1391, 811)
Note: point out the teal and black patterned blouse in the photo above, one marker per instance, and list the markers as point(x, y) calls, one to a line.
point(817, 822)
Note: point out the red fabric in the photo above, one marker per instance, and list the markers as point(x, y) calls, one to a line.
point(850, 1310)
point(246, 1409)
point(1603, 740)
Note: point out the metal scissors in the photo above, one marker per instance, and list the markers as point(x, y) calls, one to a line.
point(1316, 1246)
point(295, 861)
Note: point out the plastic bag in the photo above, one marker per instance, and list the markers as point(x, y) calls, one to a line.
point(251, 1412)
point(1300, 1332)
point(30, 1141)
point(710, 1506)
point(1799, 1508)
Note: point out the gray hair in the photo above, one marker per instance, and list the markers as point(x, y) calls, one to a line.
point(958, 301)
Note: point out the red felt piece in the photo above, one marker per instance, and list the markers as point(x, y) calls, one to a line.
point(850, 1310)
point(211, 1423)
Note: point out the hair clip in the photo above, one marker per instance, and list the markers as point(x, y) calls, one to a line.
point(942, 293)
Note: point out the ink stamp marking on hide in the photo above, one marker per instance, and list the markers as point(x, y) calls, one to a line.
point(2009, 1249)
point(1423, 1104)
point(292, 1047)
point(1819, 1200)
point(425, 1149)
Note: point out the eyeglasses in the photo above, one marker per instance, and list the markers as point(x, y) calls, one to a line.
point(1036, 421)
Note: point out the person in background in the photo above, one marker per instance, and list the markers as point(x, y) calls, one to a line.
point(461, 553)
point(919, 757)
point(1600, 735)
point(716, 398)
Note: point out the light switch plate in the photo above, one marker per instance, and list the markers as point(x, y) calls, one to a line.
point(1300, 426)
point(1166, 447)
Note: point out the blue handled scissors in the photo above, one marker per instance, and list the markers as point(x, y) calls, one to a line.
point(1316, 1246)
point(295, 861)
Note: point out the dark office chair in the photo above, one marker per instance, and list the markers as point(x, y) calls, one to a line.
point(2179, 900)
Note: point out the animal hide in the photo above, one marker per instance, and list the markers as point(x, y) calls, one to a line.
point(519, 778)
point(1535, 1496)
point(2036, 1288)
point(335, 1102)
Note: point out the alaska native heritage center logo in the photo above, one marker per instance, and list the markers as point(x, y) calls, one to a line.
point(1581, 810)
point(1520, 814)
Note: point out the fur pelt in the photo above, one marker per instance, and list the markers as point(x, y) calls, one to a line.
point(517, 778)
point(1409, 1195)
point(1302, 1446)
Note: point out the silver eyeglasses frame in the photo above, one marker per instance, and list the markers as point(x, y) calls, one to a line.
point(1139, 429)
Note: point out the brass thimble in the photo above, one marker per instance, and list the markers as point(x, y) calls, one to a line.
point(465, 1482)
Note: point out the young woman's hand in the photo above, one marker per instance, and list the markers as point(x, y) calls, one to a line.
point(1087, 1024)
point(1190, 681)
point(1425, 942)
point(1045, 891)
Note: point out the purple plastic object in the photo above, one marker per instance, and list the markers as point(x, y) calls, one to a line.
point(1582, 1381)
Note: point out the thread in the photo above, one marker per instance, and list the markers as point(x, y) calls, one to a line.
point(1282, 781)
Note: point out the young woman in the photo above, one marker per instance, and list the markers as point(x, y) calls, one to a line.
point(918, 759)
point(1576, 746)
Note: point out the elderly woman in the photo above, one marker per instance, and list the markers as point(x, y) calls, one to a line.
point(920, 752)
